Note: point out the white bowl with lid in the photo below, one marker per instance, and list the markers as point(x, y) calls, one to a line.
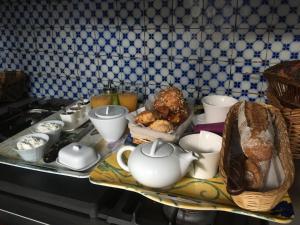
point(110, 121)
point(77, 156)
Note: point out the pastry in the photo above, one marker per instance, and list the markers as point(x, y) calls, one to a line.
point(163, 111)
point(162, 126)
point(146, 117)
point(178, 117)
point(171, 98)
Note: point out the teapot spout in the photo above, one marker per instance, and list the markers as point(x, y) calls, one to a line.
point(185, 160)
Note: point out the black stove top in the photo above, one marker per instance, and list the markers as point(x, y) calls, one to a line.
point(20, 115)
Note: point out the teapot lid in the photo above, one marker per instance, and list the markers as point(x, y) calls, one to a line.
point(157, 149)
point(110, 111)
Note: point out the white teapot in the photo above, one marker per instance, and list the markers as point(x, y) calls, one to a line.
point(156, 164)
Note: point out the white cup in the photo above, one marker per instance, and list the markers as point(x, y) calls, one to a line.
point(70, 117)
point(208, 146)
point(216, 107)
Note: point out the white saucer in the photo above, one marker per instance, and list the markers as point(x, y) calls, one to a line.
point(199, 119)
point(81, 169)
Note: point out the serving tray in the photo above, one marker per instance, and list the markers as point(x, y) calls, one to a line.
point(189, 193)
point(93, 139)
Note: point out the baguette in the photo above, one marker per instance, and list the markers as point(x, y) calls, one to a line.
point(257, 142)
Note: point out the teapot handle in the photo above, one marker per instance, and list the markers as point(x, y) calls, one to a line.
point(120, 159)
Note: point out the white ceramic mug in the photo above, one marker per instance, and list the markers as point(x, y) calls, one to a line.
point(216, 107)
point(208, 146)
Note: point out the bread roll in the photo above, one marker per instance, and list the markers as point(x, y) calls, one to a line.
point(146, 118)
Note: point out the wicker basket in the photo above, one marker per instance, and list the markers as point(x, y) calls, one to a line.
point(292, 118)
point(284, 79)
point(260, 201)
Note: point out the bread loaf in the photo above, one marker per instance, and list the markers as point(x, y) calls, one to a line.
point(257, 142)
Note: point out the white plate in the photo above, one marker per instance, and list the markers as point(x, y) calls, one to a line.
point(81, 169)
point(199, 119)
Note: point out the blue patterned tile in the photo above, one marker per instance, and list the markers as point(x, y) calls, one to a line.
point(286, 14)
point(63, 39)
point(106, 38)
point(30, 62)
point(61, 13)
point(12, 60)
point(88, 65)
point(111, 69)
point(89, 86)
point(67, 87)
point(48, 63)
point(6, 13)
point(85, 40)
point(134, 71)
point(26, 38)
point(158, 14)
point(250, 45)
point(8, 38)
point(22, 12)
point(2, 60)
point(217, 44)
point(159, 72)
point(131, 43)
point(187, 13)
point(284, 45)
point(41, 11)
point(219, 13)
point(83, 12)
point(44, 40)
point(187, 44)
point(246, 80)
point(214, 76)
point(159, 43)
point(66, 65)
point(131, 14)
point(105, 13)
point(186, 77)
point(253, 14)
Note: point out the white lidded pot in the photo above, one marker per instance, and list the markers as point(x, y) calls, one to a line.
point(156, 164)
point(110, 121)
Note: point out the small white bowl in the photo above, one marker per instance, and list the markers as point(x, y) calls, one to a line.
point(33, 154)
point(208, 146)
point(216, 107)
point(53, 134)
point(77, 156)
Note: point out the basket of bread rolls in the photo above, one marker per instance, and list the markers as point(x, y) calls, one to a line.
point(256, 161)
point(166, 117)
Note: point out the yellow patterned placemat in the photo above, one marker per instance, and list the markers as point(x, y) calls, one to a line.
point(189, 193)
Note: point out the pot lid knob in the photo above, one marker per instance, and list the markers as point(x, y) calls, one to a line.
point(76, 148)
point(157, 149)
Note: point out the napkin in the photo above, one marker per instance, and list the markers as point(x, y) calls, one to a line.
point(212, 127)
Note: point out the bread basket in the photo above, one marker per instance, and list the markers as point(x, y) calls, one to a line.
point(253, 200)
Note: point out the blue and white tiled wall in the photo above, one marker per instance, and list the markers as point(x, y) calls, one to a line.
point(71, 48)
